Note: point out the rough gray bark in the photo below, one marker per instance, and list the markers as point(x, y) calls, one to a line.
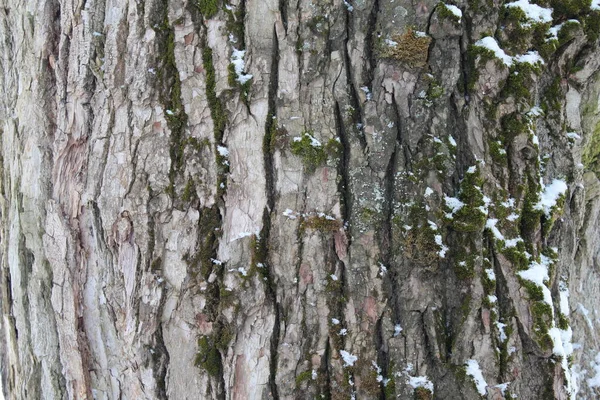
point(169, 231)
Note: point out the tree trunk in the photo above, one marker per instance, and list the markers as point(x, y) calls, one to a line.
point(299, 199)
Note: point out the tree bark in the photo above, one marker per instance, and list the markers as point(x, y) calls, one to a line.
point(296, 199)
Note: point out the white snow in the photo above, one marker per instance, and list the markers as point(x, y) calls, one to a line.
point(550, 195)
point(538, 274)
point(348, 6)
point(289, 213)
point(335, 321)
point(595, 5)
point(492, 299)
point(513, 217)
point(501, 331)
point(512, 242)
point(397, 329)
point(552, 33)
point(454, 204)
point(491, 225)
point(531, 57)
point(420, 381)
point(451, 139)
point(333, 277)
point(428, 192)
point(595, 380)
point(490, 43)
point(223, 151)
point(348, 358)
point(474, 371)
point(573, 135)
point(237, 59)
point(472, 169)
point(563, 292)
point(533, 12)
point(313, 141)
point(454, 10)
point(502, 387)
point(490, 274)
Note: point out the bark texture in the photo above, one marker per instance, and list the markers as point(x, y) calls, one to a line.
point(364, 204)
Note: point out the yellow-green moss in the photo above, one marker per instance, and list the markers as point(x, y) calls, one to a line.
point(208, 8)
point(411, 49)
point(314, 156)
point(208, 356)
point(470, 218)
point(321, 224)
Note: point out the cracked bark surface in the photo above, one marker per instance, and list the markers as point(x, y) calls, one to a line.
point(171, 231)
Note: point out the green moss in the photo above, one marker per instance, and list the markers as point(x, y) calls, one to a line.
point(591, 152)
point(563, 321)
point(217, 110)
point(445, 13)
point(516, 255)
point(530, 216)
point(156, 265)
point(321, 224)
point(208, 356)
point(312, 155)
point(519, 81)
point(592, 25)
point(422, 393)
point(411, 49)
point(477, 55)
point(553, 96)
point(417, 243)
point(302, 377)
point(568, 9)
point(555, 212)
point(513, 125)
point(208, 235)
point(189, 192)
point(208, 8)
point(390, 388)
point(498, 152)
point(470, 218)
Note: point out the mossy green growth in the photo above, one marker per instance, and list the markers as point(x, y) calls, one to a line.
point(303, 377)
point(477, 55)
point(217, 111)
point(445, 13)
point(390, 389)
point(470, 217)
point(519, 81)
point(591, 151)
point(189, 192)
point(320, 223)
point(570, 9)
point(555, 212)
point(208, 8)
point(410, 48)
point(513, 125)
point(312, 152)
point(208, 356)
point(530, 215)
point(591, 25)
point(516, 255)
point(553, 96)
point(498, 151)
point(418, 240)
point(422, 393)
point(208, 235)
